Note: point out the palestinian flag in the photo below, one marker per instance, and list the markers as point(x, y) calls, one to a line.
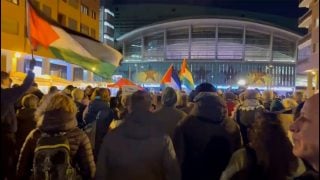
point(171, 79)
point(69, 45)
point(186, 75)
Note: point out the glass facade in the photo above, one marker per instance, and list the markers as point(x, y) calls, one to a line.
point(218, 53)
point(211, 43)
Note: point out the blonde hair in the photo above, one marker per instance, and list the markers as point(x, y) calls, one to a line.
point(77, 94)
point(102, 92)
point(57, 102)
point(30, 101)
point(289, 103)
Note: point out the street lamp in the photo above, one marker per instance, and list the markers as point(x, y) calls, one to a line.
point(241, 82)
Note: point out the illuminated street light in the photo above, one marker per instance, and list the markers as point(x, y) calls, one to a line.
point(17, 55)
point(241, 82)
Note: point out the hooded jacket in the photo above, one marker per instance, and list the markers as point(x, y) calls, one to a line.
point(137, 150)
point(80, 147)
point(204, 141)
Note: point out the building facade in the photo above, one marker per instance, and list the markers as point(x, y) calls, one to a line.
point(106, 24)
point(78, 15)
point(221, 51)
point(308, 58)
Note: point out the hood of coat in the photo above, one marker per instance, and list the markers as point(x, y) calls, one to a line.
point(140, 125)
point(57, 121)
point(210, 107)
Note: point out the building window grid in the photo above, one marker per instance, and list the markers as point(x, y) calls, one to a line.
point(93, 14)
point(84, 9)
point(256, 47)
point(72, 24)
point(84, 29)
point(46, 10)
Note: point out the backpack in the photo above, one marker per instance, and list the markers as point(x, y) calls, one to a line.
point(91, 129)
point(52, 158)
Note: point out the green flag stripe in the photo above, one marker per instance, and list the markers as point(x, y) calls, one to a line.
point(102, 69)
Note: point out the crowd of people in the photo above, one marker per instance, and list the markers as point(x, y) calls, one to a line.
point(87, 134)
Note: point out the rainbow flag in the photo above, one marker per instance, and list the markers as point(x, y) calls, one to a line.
point(186, 75)
point(171, 79)
point(69, 45)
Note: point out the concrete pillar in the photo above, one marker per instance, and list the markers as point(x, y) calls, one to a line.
point(45, 66)
point(189, 42)
point(244, 44)
point(142, 48)
point(164, 45)
point(309, 84)
point(70, 72)
point(271, 47)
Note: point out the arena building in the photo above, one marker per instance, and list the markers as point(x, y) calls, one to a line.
point(221, 50)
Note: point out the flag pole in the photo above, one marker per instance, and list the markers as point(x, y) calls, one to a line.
point(33, 61)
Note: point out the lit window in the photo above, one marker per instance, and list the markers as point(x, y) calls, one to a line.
point(106, 23)
point(37, 70)
point(94, 15)
point(109, 12)
point(84, 9)
point(105, 36)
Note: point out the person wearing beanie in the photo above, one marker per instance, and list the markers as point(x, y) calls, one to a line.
point(168, 115)
point(205, 88)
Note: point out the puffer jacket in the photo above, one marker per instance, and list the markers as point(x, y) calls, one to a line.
point(137, 150)
point(80, 147)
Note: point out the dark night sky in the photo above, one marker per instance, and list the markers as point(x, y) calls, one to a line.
point(286, 8)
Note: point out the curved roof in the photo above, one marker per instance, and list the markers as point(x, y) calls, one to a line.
point(209, 21)
point(133, 16)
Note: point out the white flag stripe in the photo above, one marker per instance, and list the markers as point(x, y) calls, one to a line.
point(66, 41)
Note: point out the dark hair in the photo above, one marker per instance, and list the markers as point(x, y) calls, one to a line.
point(272, 146)
point(4, 75)
point(140, 100)
point(114, 102)
point(206, 87)
point(52, 89)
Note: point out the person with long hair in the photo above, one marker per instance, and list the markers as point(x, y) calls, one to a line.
point(268, 156)
point(58, 116)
